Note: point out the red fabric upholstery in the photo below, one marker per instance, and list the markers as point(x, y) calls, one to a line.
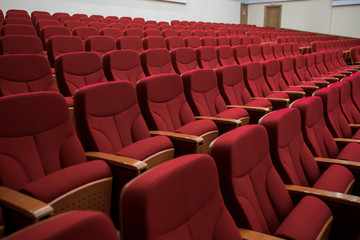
point(254, 192)
point(152, 42)
point(277, 50)
point(21, 44)
point(23, 73)
point(112, 32)
point(108, 120)
point(241, 54)
point(156, 61)
point(288, 72)
point(164, 107)
point(184, 33)
point(255, 81)
point(222, 41)
point(78, 69)
point(234, 41)
point(85, 32)
point(350, 111)
point(208, 41)
point(130, 42)
point(267, 52)
point(334, 118)
point(151, 201)
point(293, 159)
point(184, 59)
point(192, 41)
point(203, 96)
point(174, 42)
point(311, 65)
point(100, 44)
point(354, 81)
point(17, 29)
point(319, 62)
point(123, 65)
point(98, 25)
point(225, 55)
point(316, 134)
point(286, 48)
point(295, 49)
point(47, 32)
point(206, 57)
point(72, 225)
point(301, 70)
point(136, 32)
point(255, 53)
point(73, 24)
point(232, 87)
point(58, 45)
point(169, 32)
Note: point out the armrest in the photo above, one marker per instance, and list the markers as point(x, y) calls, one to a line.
point(344, 141)
point(338, 75)
point(321, 84)
point(329, 161)
point(354, 126)
point(118, 161)
point(217, 120)
point(251, 108)
point(273, 99)
point(296, 93)
point(330, 79)
point(252, 235)
point(27, 206)
point(179, 136)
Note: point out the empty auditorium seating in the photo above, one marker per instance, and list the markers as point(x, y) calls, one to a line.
point(23, 21)
point(183, 59)
point(241, 54)
point(208, 41)
point(85, 32)
point(253, 191)
point(45, 23)
point(21, 44)
point(203, 96)
point(319, 62)
point(192, 41)
point(317, 135)
point(76, 70)
point(113, 32)
point(207, 57)
point(174, 42)
point(98, 25)
point(123, 65)
point(50, 31)
point(355, 55)
point(225, 55)
point(169, 32)
point(169, 189)
point(330, 67)
point(100, 44)
point(267, 52)
point(222, 41)
point(53, 168)
point(293, 159)
point(234, 92)
point(156, 61)
point(129, 42)
point(152, 42)
point(164, 107)
point(17, 29)
point(277, 50)
point(257, 86)
point(119, 26)
point(354, 81)
point(234, 41)
point(255, 53)
point(77, 224)
point(152, 32)
point(286, 48)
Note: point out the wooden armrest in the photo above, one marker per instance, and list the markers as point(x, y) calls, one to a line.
point(354, 126)
point(320, 83)
point(346, 140)
point(251, 108)
point(27, 206)
point(338, 75)
point(119, 161)
point(273, 99)
point(327, 196)
point(179, 136)
point(329, 161)
point(330, 79)
point(297, 93)
point(252, 235)
point(218, 120)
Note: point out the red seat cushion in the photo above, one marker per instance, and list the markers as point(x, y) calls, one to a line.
point(197, 127)
point(336, 178)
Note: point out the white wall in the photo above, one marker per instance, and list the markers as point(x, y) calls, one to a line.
point(198, 10)
point(313, 16)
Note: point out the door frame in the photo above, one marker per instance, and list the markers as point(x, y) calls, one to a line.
point(266, 13)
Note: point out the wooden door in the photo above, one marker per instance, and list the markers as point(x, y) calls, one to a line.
point(244, 13)
point(272, 16)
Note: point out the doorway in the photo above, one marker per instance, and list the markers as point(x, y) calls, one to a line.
point(272, 16)
point(244, 13)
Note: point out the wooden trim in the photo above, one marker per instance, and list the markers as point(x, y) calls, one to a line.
point(178, 136)
point(119, 161)
point(252, 108)
point(325, 231)
point(346, 140)
point(159, 157)
point(208, 138)
point(253, 235)
point(218, 120)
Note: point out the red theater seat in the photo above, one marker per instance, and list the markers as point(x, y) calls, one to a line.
point(130, 42)
point(184, 59)
point(152, 42)
point(207, 57)
point(100, 44)
point(85, 32)
point(156, 61)
point(21, 44)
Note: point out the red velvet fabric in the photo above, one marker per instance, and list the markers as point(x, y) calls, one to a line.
point(288, 72)
point(225, 55)
point(130, 42)
point(206, 57)
point(21, 44)
point(71, 225)
point(241, 54)
point(156, 61)
point(192, 41)
point(267, 52)
point(208, 41)
point(277, 50)
point(302, 71)
point(17, 29)
point(255, 53)
point(85, 32)
point(176, 188)
point(354, 81)
point(152, 42)
point(286, 48)
point(50, 31)
point(174, 42)
point(100, 44)
point(78, 69)
point(184, 59)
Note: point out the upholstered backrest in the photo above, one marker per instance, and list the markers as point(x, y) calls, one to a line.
point(156, 61)
point(97, 25)
point(174, 42)
point(286, 48)
point(77, 70)
point(327, 61)
point(21, 44)
point(241, 54)
point(169, 32)
point(319, 62)
point(85, 32)
point(176, 188)
point(245, 40)
point(123, 65)
point(100, 44)
point(300, 68)
point(273, 75)
point(267, 52)
point(138, 32)
point(73, 24)
point(334, 59)
point(192, 41)
point(58, 45)
point(354, 81)
point(108, 116)
point(36, 138)
point(184, 59)
point(17, 29)
point(130, 42)
point(316, 134)
point(252, 189)
point(255, 53)
point(234, 41)
point(202, 93)
point(288, 71)
point(334, 118)
point(295, 48)
point(208, 41)
point(206, 57)
point(151, 42)
point(254, 79)
point(277, 50)
point(225, 55)
point(232, 86)
point(290, 155)
point(23, 73)
point(49, 31)
point(163, 103)
point(311, 65)
point(222, 41)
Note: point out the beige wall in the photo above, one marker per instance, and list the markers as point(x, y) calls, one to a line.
point(199, 10)
point(313, 16)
